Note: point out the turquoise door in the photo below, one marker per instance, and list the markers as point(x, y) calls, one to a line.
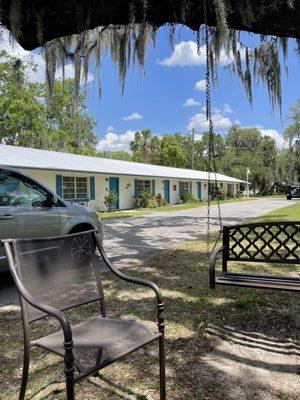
point(167, 190)
point(199, 190)
point(114, 188)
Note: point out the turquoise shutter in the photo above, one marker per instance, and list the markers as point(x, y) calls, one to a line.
point(136, 189)
point(59, 185)
point(191, 187)
point(180, 187)
point(92, 188)
point(153, 187)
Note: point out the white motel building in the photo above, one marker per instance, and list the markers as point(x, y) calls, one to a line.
point(87, 179)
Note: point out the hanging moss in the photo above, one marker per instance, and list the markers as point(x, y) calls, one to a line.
point(129, 43)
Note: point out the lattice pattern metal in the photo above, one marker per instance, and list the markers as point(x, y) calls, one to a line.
point(275, 242)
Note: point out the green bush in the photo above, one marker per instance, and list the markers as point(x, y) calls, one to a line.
point(109, 200)
point(145, 200)
point(142, 200)
point(221, 194)
point(186, 197)
point(160, 201)
point(238, 194)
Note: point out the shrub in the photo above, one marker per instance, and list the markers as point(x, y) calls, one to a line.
point(186, 197)
point(221, 194)
point(153, 202)
point(142, 200)
point(160, 201)
point(145, 200)
point(109, 200)
point(238, 194)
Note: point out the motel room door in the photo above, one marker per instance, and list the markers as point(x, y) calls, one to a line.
point(114, 188)
point(167, 190)
point(199, 195)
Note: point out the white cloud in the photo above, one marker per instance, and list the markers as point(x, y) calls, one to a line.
point(37, 74)
point(133, 116)
point(272, 133)
point(110, 128)
point(215, 110)
point(114, 142)
point(199, 122)
point(201, 85)
point(185, 54)
point(227, 109)
point(191, 102)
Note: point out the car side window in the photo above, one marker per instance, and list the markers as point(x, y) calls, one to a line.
point(17, 191)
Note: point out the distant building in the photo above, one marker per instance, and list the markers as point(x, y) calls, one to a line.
point(86, 179)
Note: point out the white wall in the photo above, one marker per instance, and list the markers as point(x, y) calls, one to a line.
point(126, 186)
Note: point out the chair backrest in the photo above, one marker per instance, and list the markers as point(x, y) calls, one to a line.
point(274, 242)
point(62, 272)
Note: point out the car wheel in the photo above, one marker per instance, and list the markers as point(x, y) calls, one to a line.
point(289, 197)
point(81, 248)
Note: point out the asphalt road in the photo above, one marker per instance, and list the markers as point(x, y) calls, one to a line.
point(129, 241)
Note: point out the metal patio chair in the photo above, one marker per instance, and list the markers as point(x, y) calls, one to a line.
point(56, 274)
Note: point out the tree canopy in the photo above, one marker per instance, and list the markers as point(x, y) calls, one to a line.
point(28, 117)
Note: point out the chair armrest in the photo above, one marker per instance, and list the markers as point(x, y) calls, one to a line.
point(212, 266)
point(59, 315)
point(128, 278)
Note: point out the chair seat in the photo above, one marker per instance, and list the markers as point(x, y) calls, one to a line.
point(100, 341)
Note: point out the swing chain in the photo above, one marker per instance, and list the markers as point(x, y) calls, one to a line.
point(211, 145)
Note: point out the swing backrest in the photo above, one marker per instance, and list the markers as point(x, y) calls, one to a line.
point(272, 242)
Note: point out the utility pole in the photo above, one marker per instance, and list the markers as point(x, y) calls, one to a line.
point(193, 148)
point(248, 172)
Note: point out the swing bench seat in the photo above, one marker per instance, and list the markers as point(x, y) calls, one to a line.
point(268, 243)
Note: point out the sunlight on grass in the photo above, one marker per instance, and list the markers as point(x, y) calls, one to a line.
point(289, 213)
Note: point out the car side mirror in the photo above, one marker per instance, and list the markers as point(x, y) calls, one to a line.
point(52, 200)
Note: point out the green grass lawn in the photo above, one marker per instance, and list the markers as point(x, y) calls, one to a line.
point(145, 211)
point(199, 322)
point(289, 213)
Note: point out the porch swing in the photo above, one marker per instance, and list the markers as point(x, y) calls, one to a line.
point(261, 242)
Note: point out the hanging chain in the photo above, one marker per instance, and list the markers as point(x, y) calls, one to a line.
point(211, 145)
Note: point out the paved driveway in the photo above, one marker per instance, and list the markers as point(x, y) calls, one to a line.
point(129, 241)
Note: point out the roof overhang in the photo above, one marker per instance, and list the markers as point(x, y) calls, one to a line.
point(41, 21)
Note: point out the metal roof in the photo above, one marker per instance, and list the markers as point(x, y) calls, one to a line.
point(25, 157)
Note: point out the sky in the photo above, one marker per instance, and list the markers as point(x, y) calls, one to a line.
point(169, 95)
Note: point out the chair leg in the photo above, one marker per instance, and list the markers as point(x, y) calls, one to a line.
point(69, 370)
point(162, 368)
point(25, 372)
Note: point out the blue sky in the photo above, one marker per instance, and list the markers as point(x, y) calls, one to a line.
point(156, 98)
point(165, 100)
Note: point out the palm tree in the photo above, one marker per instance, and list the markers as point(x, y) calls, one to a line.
point(141, 146)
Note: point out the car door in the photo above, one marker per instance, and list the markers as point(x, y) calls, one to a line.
point(25, 210)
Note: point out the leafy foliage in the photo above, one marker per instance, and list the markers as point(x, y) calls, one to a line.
point(109, 199)
point(239, 149)
point(186, 197)
point(28, 117)
point(292, 136)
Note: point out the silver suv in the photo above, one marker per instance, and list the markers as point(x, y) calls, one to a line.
point(29, 209)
